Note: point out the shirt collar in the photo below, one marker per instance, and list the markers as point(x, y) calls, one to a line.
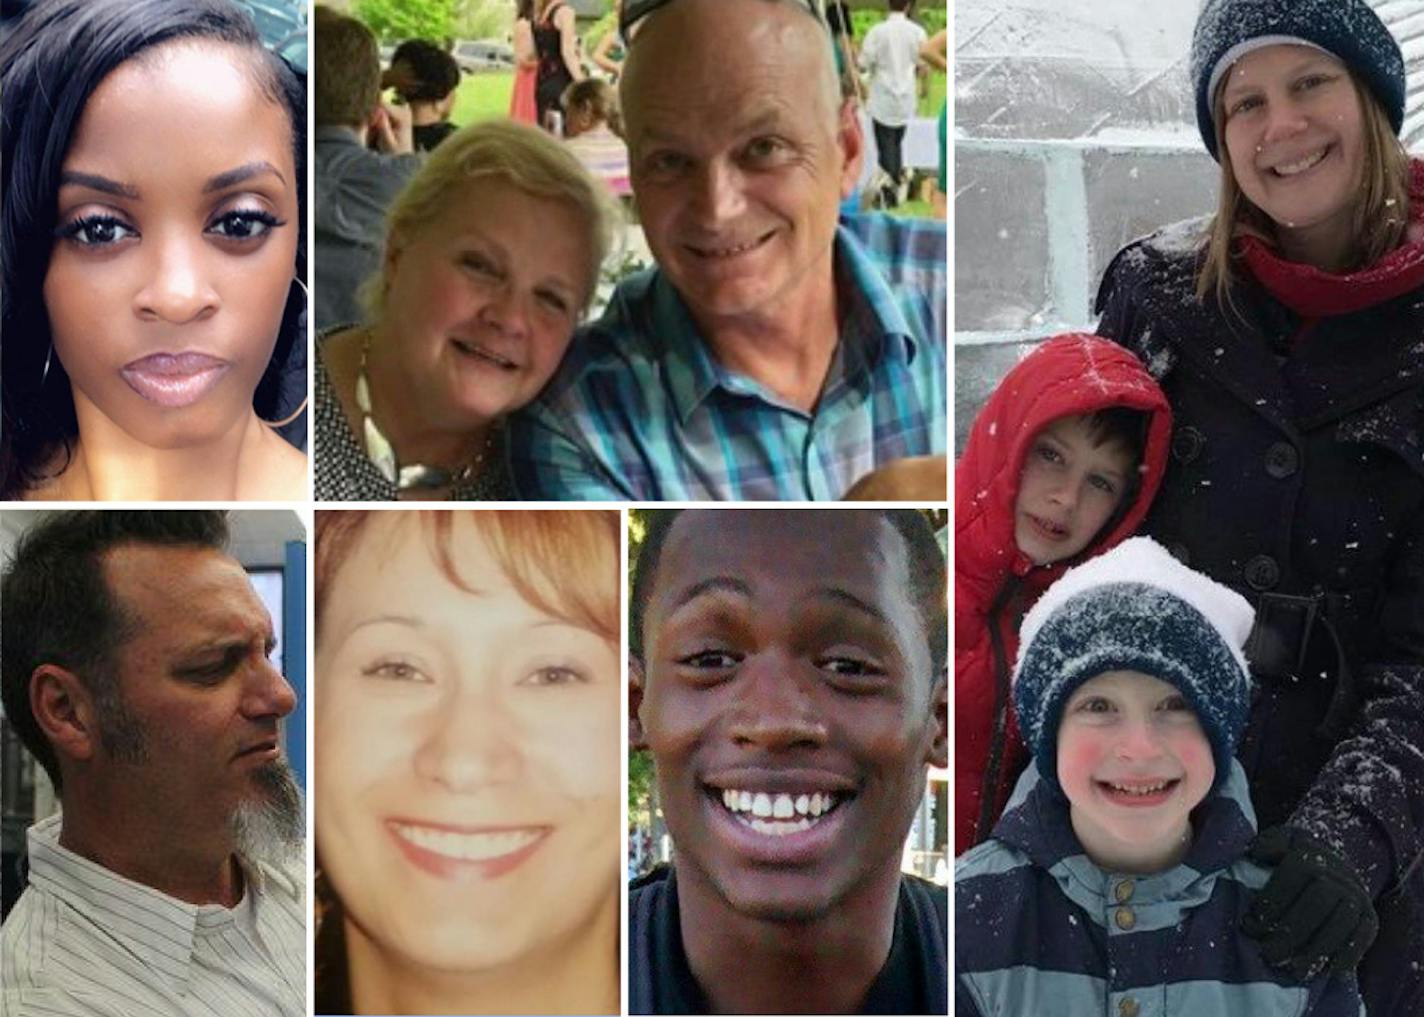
point(871, 312)
point(159, 930)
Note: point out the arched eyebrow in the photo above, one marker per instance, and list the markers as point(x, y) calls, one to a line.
point(96, 182)
point(244, 172)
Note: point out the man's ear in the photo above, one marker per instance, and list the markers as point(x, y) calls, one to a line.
point(636, 676)
point(938, 754)
point(64, 711)
point(851, 139)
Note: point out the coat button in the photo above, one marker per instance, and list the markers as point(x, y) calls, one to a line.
point(1128, 1007)
point(1282, 460)
point(1187, 444)
point(1181, 552)
point(1122, 893)
point(1126, 918)
point(1262, 572)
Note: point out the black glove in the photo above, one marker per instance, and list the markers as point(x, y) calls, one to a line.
point(1315, 912)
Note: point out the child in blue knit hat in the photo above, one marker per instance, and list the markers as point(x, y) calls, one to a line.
point(1116, 880)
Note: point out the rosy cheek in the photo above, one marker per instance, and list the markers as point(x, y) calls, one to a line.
point(1079, 755)
point(1193, 751)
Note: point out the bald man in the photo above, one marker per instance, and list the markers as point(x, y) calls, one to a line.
point(774, 353)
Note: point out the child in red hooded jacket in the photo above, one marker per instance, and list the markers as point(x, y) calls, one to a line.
point(1061, 464)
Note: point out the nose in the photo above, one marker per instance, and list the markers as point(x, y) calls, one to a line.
point(1138, 740)
point(506, 311)
point(776, 709)
point(717, 193)
point(1284, 118)
point(268, 693)
point(1064, 492)
point(178, 289)
point(467, 745)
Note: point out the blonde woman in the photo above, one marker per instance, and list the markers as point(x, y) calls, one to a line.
point(492, 255)
point(1286, 334)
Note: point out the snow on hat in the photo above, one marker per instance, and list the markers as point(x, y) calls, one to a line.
point(1135, 608)
point(1348, 29)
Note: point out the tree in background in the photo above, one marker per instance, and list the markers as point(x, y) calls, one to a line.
point(397, 20)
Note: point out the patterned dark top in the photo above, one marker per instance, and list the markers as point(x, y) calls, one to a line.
point(343, 473)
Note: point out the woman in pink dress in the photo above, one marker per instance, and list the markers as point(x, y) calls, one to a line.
point(526, 65)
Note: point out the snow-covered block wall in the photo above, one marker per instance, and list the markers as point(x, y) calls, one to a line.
point(1075, 133)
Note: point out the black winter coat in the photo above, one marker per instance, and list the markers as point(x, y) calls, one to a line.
point(1296, 477)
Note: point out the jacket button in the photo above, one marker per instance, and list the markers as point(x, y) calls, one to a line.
point(1262, 572)
point(1187, 444)
point(1282, 460)
point(1128, 1007)
point(1122, 893)
point(1181, 552)
point(1126, 918)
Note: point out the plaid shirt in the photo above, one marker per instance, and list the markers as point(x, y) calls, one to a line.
point(640, 410)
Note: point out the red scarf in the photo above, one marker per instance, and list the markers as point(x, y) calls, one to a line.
point(1314, 293)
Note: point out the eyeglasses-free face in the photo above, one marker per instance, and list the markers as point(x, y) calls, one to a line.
point(175, 247)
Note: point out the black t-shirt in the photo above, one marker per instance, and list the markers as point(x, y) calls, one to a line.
point(914, 980)
point(427, 136)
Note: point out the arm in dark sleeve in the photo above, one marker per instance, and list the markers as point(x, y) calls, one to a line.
point(1368, 802)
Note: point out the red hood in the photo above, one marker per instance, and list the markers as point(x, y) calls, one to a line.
point(1314, 293)
point(1069, 374)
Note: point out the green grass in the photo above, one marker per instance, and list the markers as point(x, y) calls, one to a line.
point(482, 97)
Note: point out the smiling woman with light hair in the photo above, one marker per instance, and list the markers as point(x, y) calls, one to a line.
point(1285, 333)
point(492, 256)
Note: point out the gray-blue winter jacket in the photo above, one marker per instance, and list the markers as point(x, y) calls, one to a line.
point(1040, 929)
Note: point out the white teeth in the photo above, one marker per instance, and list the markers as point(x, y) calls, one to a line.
point(466, 847)
point(1141, 789)
point(784, 812)
point(1292, 169)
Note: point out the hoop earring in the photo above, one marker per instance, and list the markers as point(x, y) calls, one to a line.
point(287, 420)
point(306, 296)
point(44, 375)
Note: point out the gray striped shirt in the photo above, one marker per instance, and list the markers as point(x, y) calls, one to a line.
point(85, 942)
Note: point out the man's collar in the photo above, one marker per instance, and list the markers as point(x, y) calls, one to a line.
point(157, 929)
point(868, 307)
point(335, 132)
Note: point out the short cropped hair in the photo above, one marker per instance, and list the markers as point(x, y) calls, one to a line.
point(526, 158)
point(929, 577)
point(59, 609)
point(1121, 426)
point(347, 68)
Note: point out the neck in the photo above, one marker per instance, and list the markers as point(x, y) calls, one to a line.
point(423, 114)
point(1327, 246)
point(824, 964)
point(396, 409)
point(1139, 859)
point(158, 847)
point(577, 974)
point(108, 464)
point(786, 347)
